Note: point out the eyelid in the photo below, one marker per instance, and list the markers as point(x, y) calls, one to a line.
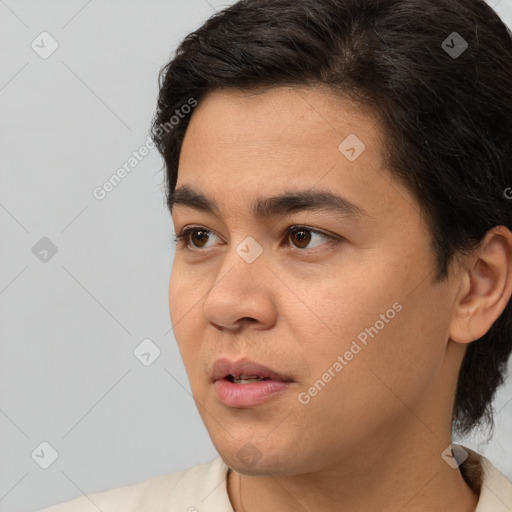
point(180, 238)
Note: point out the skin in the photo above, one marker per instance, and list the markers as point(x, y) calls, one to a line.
point(372, 438)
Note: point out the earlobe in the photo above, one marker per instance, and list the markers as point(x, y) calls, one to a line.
point(486, 287)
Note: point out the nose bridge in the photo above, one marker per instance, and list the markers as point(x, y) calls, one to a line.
point(233, 296)
point(242, 261)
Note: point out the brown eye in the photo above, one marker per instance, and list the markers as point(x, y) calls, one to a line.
point(202, 236)
point(198, 238)
point(303, 237)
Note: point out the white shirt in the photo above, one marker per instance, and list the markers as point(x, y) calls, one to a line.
point(202, 488)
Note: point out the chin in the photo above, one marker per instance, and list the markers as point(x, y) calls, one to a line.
point(248, 459)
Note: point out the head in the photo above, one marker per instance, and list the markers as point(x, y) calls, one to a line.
point(409, 281)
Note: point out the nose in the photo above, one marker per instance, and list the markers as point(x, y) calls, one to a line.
point(243, 293)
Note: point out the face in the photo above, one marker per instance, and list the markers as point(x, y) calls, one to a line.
point(342, 305)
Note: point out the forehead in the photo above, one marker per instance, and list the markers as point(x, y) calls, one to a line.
point(245, 145)
point(289, 117)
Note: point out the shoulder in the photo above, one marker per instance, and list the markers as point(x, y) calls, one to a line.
point(493, 487)
point(190, 488)
point(496, 492)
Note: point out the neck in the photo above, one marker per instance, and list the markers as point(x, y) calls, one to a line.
point(408, 476)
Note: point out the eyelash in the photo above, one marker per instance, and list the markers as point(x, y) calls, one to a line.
point(181, 239)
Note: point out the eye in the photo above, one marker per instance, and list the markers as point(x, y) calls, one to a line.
point(183, 239)
point(303, 236)
point(198, 237)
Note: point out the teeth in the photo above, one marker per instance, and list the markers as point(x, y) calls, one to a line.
point(245, 379)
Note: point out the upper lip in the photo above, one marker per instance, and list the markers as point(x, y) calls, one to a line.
point(224, 367)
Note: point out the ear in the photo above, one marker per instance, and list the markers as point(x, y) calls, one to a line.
point(485, 286)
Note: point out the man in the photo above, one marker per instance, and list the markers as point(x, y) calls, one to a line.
point(338, 174)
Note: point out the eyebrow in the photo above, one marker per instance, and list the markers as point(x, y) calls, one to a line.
point(287, 203)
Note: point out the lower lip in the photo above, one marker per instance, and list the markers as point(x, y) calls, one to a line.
point(248, 395)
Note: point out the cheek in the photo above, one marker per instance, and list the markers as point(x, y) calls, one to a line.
point(401, 359)
point(175, 291)
point(185, 291)
point(367, 315)
point(347, 305)
point(380, 380)
point(184, 310)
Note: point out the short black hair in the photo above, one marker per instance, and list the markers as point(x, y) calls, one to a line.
point(445, 111)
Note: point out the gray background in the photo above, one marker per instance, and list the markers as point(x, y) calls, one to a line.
point(69, 325)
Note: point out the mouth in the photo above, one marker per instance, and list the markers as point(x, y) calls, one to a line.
point(245, 379)
point(246, 383)
point(245, 371)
